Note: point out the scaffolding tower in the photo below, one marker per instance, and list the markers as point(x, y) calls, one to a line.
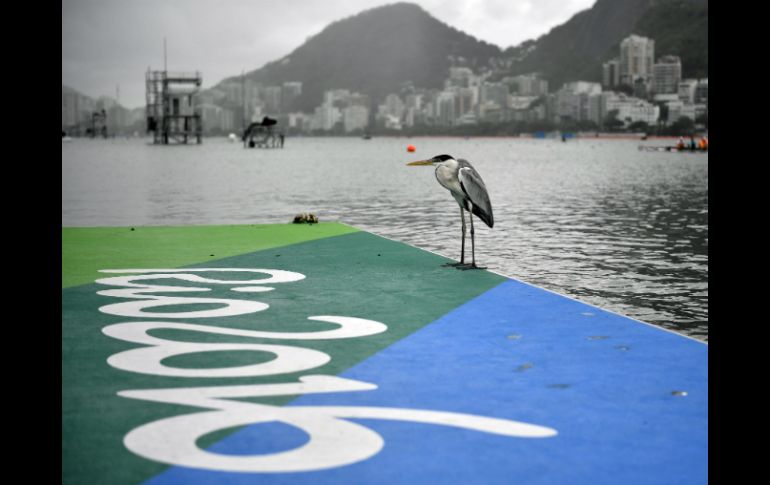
point(173, 114)
point(98, 124)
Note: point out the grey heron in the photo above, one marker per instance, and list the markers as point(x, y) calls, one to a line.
point(465, 184)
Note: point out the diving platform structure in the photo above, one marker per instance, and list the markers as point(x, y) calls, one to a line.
point(173, 114)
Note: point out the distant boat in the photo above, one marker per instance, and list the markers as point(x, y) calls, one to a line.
point(367, 137)
point(670, 149)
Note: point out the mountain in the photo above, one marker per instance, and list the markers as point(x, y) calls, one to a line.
point(681, 28)
point(376, 52)
point(380, 50)
point(576, 49)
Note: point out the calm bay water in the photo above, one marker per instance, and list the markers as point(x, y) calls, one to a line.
point(597, 220)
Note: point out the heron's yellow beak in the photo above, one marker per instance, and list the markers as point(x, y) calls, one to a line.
point(420, 162)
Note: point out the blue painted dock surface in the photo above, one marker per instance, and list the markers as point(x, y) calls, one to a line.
point(504, 383)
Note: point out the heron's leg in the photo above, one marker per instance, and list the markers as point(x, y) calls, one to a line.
point(462, 248)
point(473, 245)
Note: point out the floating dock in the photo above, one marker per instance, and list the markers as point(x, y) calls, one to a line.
point(324, 354)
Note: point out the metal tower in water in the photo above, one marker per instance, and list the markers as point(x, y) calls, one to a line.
point(172, 111)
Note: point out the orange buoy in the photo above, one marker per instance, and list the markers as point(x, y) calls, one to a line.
point(410, 148)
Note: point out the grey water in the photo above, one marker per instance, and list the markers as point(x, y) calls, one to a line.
point(594, 219)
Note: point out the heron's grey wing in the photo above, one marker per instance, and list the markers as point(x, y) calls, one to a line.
point(474, 188)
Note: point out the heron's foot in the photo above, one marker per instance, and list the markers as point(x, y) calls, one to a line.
point(455, 265)
point(471, 266)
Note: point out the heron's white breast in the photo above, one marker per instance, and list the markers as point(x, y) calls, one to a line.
point(446, 174)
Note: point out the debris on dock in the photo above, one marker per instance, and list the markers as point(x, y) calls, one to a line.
point(305, 218)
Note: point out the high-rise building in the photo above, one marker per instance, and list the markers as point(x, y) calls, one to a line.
point(445, 108)
point(667, 73)
point(611, 73)
point(636, 59)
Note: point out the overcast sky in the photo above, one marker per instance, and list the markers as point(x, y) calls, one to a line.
point(106, 43)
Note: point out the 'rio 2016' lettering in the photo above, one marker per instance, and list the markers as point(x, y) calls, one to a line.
point(333, 440)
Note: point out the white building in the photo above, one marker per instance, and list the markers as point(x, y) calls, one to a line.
point(666, 74)
point(572, 100)
point(629, 109)
point(392, 123)
point(393, 106)
point(355, 117)
point(445, 108)
point(679, 109)
point(415, 101)
point(336, 96)
point(636, 59)
point(687, 89)
point(325, 117)
point(299, 121)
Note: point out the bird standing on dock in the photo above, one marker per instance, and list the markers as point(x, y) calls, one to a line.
point(465, 184)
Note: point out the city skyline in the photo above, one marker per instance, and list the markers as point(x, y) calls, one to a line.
point(103, 50)
point(641, 94)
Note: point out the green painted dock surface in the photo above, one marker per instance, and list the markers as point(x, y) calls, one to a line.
point(575, 394)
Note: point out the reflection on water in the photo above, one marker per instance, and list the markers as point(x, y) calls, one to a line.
point(597, 220)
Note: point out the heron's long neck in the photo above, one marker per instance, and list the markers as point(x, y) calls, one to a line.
point(446, 174)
